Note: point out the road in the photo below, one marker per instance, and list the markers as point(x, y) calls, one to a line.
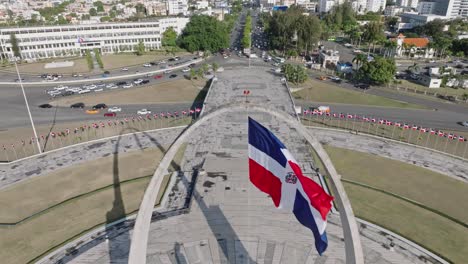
point(13, 111)
point(428, 118)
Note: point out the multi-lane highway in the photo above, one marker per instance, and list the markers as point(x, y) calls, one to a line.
point(13, 111)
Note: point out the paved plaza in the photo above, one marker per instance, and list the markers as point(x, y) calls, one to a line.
point(217, 215)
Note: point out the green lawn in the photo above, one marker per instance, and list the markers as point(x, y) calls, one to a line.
point(320, 91)
point(418, 87)
point(434, 190)
point(428, 229)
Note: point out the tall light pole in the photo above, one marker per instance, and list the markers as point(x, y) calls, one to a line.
point(27, 106)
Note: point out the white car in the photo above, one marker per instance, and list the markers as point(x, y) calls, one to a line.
point(83, 91)
point(124, 69)
point(99, 90)
point(91, 87)
point(146, 65)
point(128, 85)
point(185, 69)
point(163, 61)
point(143, 112)
point(111, 86)
point(139, 81)
point(114, 109)
point(61, 87)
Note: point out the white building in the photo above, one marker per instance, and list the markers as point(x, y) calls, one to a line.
point(176, 7)
point(408, 3)
point(72, 40)
point(327, 5)
point(177, 23)
point(446, 8)
point(376, 5)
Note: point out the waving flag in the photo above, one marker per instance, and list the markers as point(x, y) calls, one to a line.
point(273, 170)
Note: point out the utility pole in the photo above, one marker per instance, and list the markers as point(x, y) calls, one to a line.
point(27, 106)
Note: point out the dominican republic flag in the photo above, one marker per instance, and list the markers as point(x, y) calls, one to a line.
point(273, 170)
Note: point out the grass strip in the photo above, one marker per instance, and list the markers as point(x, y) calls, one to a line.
point(433, 232)
point(28, 218)
point(407, 200)
point(321, 91)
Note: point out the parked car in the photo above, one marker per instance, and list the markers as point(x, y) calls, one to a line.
point(192, 65)
point(83, 91)
point(100, 106)
point(114, 109)
point(77, 105)
point(185, 69)
point(137, 81)
point(143, 112)
point(147, 65)
point(363, 86)
point(158, 77)
point(45, 106)
point(145, 81)
point(173, 76)
point(121, 83)
point(112, 114)
point(124, 69)
point(127, 85)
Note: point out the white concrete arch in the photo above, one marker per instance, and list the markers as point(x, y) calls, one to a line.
point(139, 240)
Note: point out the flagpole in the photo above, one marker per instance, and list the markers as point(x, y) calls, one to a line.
point(466, 145)
point(6, 154)
point(427, 139)
point(27, 106)
point(456, 146)
point(446, 144)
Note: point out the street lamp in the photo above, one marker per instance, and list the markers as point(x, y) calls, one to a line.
point(27, 105)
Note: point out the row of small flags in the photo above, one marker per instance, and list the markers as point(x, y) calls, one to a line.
point(387, 123)
point(110, 123)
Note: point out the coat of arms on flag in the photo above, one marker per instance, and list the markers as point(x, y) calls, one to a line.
point(273, 170)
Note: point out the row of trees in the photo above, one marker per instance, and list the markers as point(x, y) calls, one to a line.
point(246, 35)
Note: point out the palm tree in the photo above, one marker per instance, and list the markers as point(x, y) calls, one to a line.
point(359, 60)
point(413, 68)
point(390, 47)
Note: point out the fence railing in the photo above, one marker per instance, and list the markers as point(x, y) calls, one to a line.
point(448, 142)
point(89, 131)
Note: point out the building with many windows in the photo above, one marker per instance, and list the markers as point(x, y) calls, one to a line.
point(74, 40)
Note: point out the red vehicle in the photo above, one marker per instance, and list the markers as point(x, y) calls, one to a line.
point(158, 76)
point(112, 114)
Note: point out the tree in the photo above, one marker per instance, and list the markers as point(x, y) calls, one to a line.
point(359, 60)
point(413, 68)
point(92, 11)
point(169, 37)
point(193, 74)
point(99, 6)
point(14, 45)
point(61, 20)
point(295, 73)
point(140, 9)
point(215, 66)
point(373, 32)
point(378, 71)
point(204, 33)
point(140, 48)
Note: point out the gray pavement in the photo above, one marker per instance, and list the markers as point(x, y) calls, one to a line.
point(78, 154)
point(441, 119)
point(230, 221)
point(453, 167)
